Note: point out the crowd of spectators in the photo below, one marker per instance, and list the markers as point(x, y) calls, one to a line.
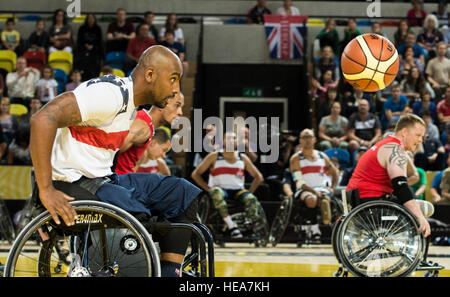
point(33, 87)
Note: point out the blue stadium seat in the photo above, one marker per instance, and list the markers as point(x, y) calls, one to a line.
point(61, 79)
point(342, 155)
point(115, 59)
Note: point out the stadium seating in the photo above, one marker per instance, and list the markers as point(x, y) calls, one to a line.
point(61, 79)
point(62, 60)
point(115, 59)
point(342, 155)
point(18, 109)
point(35, 59)
point(8, 60)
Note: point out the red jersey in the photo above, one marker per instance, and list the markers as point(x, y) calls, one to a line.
point(369, 177)
point(128, 159)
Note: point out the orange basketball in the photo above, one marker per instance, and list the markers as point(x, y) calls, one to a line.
point(370, 62)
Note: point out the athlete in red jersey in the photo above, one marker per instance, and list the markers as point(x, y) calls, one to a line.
point(141, 132)
point(382, 170)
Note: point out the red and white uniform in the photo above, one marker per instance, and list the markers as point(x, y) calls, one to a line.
point(229, 176)
point(151, 166)
point(128, 159)
point(314, 173)
point(369, 177)
point(107, 110)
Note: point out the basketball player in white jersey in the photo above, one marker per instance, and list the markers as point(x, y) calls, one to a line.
point(227, 179)
point(308, 167)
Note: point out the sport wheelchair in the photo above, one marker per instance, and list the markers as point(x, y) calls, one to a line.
point(379, 239)
point(105, 241)
point(290, 216)
point(256, 233)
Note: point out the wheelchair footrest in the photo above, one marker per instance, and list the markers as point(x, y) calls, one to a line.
point(429, 266)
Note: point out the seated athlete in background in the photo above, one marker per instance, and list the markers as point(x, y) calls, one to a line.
point(75, 137)
point(227, 181)
point(153, 159)
point(382, 170)
point(308, 168)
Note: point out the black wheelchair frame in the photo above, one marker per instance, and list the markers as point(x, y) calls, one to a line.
point(198, 262)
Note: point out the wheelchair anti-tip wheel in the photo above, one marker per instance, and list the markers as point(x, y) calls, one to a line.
point(105, 241)
point(379, 238)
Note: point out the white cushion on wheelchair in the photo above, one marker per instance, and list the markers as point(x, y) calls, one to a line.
point(426, 207)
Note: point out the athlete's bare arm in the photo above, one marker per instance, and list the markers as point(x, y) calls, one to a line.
point(333, 171)
point(254, 172)
point(411, 171)
point(138, 135)
point(163, 168)
point(394, 158)
point(206, 164)
point(61, 112)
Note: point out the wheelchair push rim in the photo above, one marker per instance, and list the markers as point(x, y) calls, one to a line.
point(106, 241)
point(379, 239)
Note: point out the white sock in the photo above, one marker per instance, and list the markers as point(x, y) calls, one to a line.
point(229, 222)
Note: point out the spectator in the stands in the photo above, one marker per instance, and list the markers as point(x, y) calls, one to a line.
point(414, 84)
point(11, 37)
point(432, 130)
point(411, 41)
point(430, 36)
point(364, 127)
point(46, 87)
point(256, 14)
point(443, 109)
point(119, 32)
point(401, 33)
point(2, 86)
point(441, 13)
point(176, 47)
point(416, 14)
point(438, 71)
point(420, 186)
point(376, 28)
point(435, 189)
point(324, 103)
point(106, 70)
point(90, 47)
point(60, 33)
point(351, 102)
point(333, 129)
point(326, 61)
point(172, 24)
point(21, 84)
point(394, 106)
point(350, 32)
point(39, 40)
point(430, 155)
point(3, 145)
point(19, 149)
point(24, 119)
point(149, 16)
point(445, 185)
point(288, 8)
point(8, 121)
point(329, 36)
point(137, 46)
point(407, 62)
point(75, 78)
point(423, 104)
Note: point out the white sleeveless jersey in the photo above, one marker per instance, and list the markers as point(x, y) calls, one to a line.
point(229, 176)
point(314, 172)
point(151, 166)
point(107, 110)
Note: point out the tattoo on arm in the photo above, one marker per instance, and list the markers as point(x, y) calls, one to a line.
point(398, 156)
point(64, 112)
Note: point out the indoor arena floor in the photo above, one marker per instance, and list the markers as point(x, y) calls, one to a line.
point(284, 260)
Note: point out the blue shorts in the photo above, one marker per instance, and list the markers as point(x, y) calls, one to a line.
point(154, 194)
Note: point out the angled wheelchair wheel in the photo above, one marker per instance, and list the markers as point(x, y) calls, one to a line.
point(281, 221)
point(7, 231)
point(105, 241)
point(204, 205)
point(380, 239)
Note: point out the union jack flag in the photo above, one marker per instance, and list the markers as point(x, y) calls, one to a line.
point(286, 36)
